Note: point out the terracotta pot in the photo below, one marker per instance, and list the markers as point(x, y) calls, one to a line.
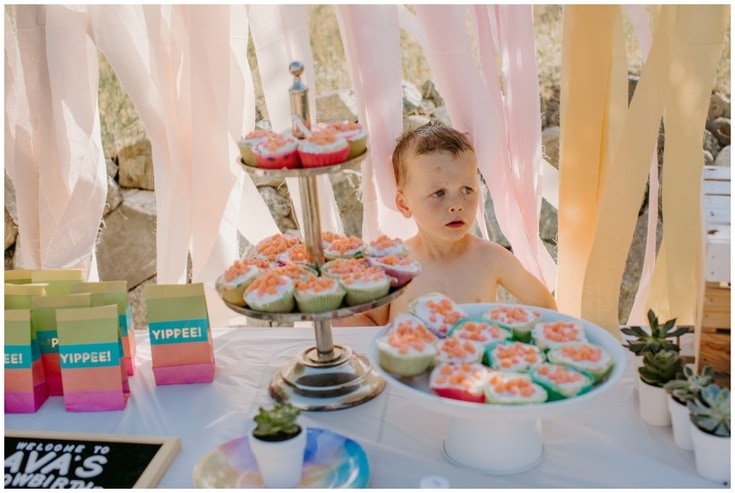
point(680, 424)
point(653, 404)
point(711, 454)
point(280, 463)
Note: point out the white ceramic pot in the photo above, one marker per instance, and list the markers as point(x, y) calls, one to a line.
point(680, 424)
point(280, 463)
point(653, 404)
point(711, 454)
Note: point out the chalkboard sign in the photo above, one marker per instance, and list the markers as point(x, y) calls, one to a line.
point(80, 460)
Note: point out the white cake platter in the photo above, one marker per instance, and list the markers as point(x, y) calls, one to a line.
point(503, 439)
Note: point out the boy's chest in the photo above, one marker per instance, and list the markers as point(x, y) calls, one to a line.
point(462, 285)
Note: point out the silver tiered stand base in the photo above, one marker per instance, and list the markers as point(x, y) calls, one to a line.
point(326, 376)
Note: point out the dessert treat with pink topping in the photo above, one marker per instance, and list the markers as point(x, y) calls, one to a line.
point(322, 148)
point(365, 285)
point(355, 135)
point(460, 381)
point(583, 356)
point(318, 294)
point(277, 151)
point(294, 271)
point(547, 335)
point(514, 356)
point(294, 255)
point(246, 144)
point(455, 350)
point(400, 269)
point(479, 331)
point(407, 348)
point(271, 247)
point(561, 382)
point(344, 247)
point(337, 267)
point(516, 318)
point(384, 245)
point(272, 292)
point(438, 311)
point(231, 285)
point(504, 387)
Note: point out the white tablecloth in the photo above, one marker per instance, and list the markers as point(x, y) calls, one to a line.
point(606, 444)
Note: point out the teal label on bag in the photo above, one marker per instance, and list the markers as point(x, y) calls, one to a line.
point(126, 322)
point(18, 357)
point(48, 340)
point(89, 355)
point(177, 331)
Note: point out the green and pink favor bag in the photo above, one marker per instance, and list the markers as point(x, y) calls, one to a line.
point(58, 280)
point(114, 292)
point(25, 382)
point(18, 276)
point(43, 322)
point(19, 295)
point(180, 337)
point(90, 358)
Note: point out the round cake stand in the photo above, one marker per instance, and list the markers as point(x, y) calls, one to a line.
point(326, 376)
point(497, 439)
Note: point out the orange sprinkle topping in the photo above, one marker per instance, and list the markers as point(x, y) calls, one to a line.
point(582, 352)
point(445, 308)
point(406, 336)
point(511, 385)
point(368, 274)
point(459, 375)
point(510, 313)
point(456, 348)
point(240, 267)
point(558, 374)
point(561, 331)
point(323, 136)
point(514, 353)
point(316, 284)
point(267, 283)
point(345, 244)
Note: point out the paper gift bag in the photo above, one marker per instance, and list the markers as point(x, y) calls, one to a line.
point(19, 295)
point(181, 340)
point(90, 358)
point(25, 382)
point(18, 276)
point(43, 322)
point(114, 292)
point(58, 280)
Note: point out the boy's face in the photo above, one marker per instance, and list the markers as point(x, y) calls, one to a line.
point(442, 194)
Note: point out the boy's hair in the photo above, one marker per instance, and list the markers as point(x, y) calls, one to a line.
point(426, 139)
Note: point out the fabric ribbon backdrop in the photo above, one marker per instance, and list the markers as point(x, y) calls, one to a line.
point(185, 69)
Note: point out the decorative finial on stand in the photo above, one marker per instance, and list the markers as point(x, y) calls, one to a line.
point(299, 96)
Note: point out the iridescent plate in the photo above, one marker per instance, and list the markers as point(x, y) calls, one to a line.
point(331, 460)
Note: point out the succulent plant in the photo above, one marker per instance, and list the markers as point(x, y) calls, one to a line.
point(710, 410)
point(277, 423)
point(660, 338)
point(688, 384)
point(661, 367)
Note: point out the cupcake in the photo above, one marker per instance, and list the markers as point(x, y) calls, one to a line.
point(583, 356)
point(294, 271)
point(318, 294)
point(365, 285)
point(271, 292)
point(231, 285)
point(516, 318)
point(271, 247)
point(246, 144)
point(355, 135)
point(344, 247)
point(455, 350)
point(438, 311)
point(384, 245)
point(294, 255)
point(479, 331)
point(322, 148)
point(503, 387)
point(337, 267)
point(277, 151)
point(407, 348)
point(400, 269)
point(514, 356)
point(551, 334)
point(561, 382)
point(460, 381)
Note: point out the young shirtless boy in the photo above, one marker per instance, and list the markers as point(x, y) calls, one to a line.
point(438, 185)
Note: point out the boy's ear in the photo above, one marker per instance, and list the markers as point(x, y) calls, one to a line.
point(402, 205)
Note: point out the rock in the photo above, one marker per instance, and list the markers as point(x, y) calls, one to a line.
point(414, 121)
point(720, 128)
point(136, 298)
point(10, 204)
point(708, 159)
point(427, 107)
point(347, 194)
point(710, 143)
point(112, 168)
point(136, 165)
point(548, 223)
point(550, 144)
point(723, 157)
point(411, 98)
point(441, 115)
point(430, 92)
point(11, 230)
point(279, 204)
point(114, 196)
point(336, 106)
point(127, 241)
point(719, 105)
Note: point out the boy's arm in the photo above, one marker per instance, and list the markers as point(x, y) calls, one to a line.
point(378, 316)
point(523, 285)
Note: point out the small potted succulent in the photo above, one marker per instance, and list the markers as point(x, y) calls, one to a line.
point(684, 388)
point(278, 443)
point(657, 370)
point(709, 413)
point(661, 336)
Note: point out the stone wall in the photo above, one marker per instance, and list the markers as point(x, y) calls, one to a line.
point(127, 239)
